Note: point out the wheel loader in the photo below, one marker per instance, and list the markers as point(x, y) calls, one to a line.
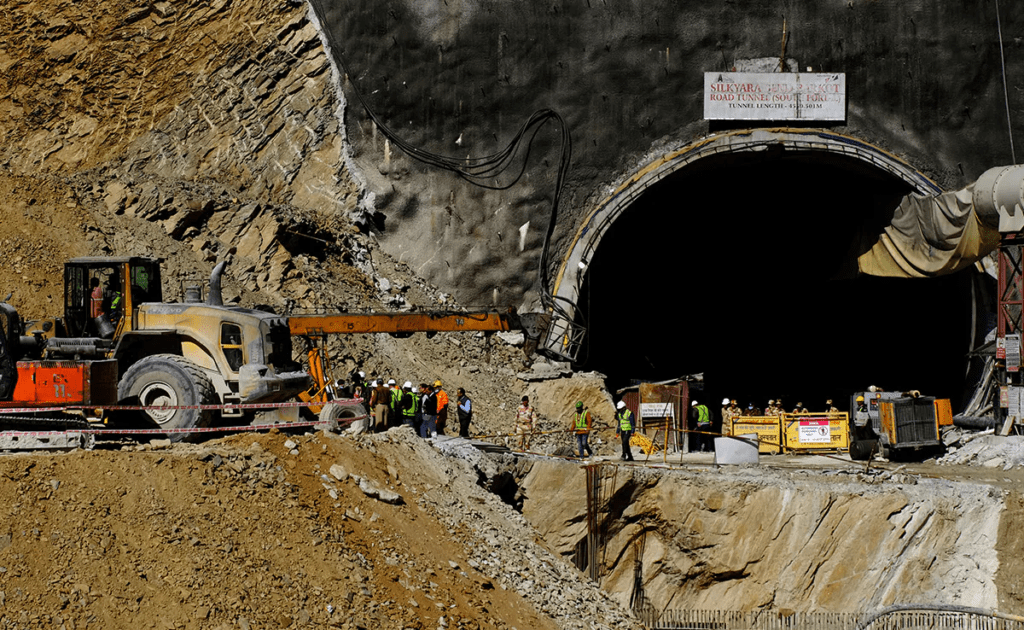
point(119, 343)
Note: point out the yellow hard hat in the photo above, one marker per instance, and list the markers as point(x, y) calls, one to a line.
point(437, 383)
point(860, 399)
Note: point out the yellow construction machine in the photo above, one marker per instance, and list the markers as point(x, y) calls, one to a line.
point(119, 343)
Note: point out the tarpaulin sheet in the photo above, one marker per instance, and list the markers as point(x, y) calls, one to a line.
point(931, 236)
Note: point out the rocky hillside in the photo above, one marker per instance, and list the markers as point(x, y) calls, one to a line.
point(200, 132)
point(194, 131)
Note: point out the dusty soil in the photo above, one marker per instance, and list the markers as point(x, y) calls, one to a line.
point(241, 533)
point(43, 225)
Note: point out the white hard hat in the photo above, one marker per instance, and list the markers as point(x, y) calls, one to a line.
point(725, 401)
point(620, 405)
point(408, 384)
point(375, 383)
point(362, 374)
point(693, 404)
point(391, 381)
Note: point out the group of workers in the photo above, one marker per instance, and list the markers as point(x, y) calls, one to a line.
point(580, 425)
point(731, 411)
point(425, 410)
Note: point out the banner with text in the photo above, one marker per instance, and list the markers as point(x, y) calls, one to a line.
point(774, 96)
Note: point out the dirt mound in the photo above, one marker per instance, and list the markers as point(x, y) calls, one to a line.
point(273, 531)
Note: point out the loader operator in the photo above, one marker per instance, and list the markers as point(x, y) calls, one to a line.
point(95, 298)
point(112, 300)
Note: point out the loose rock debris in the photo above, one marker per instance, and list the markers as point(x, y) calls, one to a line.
point(244, 532)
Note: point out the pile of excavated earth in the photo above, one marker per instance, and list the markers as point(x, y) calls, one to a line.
point(275, 531)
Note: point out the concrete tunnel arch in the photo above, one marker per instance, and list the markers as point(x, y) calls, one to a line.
point(823, 159)
point(569, 279)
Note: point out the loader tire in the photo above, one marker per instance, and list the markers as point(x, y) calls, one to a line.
point(338, 415)
point(861, 450)
point(171, 380)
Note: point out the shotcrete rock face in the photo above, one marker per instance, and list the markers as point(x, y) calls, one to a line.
point(735, 262)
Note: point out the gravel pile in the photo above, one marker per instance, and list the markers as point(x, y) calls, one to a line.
point(986, 449)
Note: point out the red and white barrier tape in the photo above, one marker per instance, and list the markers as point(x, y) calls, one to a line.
point(236, 429)
point(278, 405)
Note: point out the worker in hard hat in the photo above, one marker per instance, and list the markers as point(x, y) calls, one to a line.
point(800, 408)
point(771, 409)
point(726, 417)
point(395, 402)
point(702, 415)
point(409, 405)
point(733, 414)
point(580, 426)
point(861, 417)
point(442, 407)
point(624, 427)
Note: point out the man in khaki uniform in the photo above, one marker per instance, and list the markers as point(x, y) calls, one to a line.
point(726, 418)
point(526, 418)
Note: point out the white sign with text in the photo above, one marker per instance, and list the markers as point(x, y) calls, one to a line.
point(774, 96)
point(657, 410)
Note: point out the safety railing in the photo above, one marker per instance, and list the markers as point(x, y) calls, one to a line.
point(903, 617)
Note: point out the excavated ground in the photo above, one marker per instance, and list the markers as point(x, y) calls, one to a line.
point(828, 537)
point(273, 531)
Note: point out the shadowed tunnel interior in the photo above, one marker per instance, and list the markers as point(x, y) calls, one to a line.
point(743, 267)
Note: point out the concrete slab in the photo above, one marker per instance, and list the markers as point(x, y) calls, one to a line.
point(730, 451)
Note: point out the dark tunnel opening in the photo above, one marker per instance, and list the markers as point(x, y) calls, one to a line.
point(743, 267)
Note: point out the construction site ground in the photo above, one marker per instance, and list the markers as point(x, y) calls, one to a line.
point(106, 153)
point(317, 530)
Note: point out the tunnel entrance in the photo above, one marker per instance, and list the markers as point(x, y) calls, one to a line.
point(743, 266)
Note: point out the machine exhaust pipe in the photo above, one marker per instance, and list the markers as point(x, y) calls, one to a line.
point(215, 298)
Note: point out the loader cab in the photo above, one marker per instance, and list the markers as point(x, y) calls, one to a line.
point(96, 302)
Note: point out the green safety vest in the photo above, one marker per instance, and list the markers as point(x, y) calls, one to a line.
point(626, 420)
point(703, 415)
point(580, 421)
point(396, 397)
point(411, 410)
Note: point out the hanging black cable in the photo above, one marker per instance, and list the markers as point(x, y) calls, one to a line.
point(481, 171)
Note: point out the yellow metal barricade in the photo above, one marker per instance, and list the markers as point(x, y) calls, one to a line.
point(766, 428)
point(816, 432)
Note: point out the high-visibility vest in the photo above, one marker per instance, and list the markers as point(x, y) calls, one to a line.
point(411, 410)
point(626, 420)
point(580, 421)
point(396, 398)
point(703, 415)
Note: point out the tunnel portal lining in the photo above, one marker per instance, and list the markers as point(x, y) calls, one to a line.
point(569, 280)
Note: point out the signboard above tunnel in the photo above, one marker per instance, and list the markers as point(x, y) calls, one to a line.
point(774, 96)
